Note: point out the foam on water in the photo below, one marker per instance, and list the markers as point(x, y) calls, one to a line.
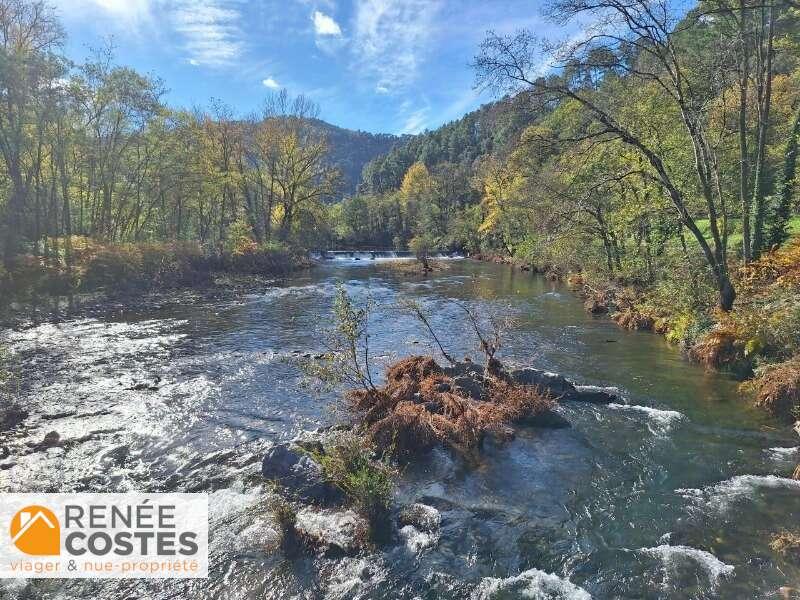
point(722, 495)
point(353, 577)
point(416, 541)
point(782, 453)
point(674, 557)
point(661, 419)
point(533, 583)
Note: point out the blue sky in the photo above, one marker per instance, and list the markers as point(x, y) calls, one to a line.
point(395, 66)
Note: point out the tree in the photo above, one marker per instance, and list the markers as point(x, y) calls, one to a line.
point(642, 41)
point(30, 37)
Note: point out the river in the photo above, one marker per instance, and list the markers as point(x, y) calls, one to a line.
point(672, 493)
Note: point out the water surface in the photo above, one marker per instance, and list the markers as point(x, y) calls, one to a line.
point(672, 493)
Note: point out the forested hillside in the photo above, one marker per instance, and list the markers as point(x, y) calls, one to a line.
point(350, 151)
point(492, 129)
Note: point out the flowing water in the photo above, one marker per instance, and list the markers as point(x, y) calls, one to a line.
point(672, 493)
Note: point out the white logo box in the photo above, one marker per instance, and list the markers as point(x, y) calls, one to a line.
point(97, 535)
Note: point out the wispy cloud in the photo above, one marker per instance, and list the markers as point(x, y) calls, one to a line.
point(416, 121)
point(325, 25)
point(211, 31)
point(125, 13)
point(391, 38)
point(270, 83)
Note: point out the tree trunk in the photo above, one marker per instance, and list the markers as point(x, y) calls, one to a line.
point(763, 126)
point(744, 160)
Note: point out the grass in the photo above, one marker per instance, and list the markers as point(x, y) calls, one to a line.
point(787, 545)
point(735, 233)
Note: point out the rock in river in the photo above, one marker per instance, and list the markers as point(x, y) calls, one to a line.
point(562, 388)
point(332, 531)
point(299, 474)
point(12, 416)
point(421, 516)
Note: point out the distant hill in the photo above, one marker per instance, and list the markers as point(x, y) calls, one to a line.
point(491, 129)
point(351, 150)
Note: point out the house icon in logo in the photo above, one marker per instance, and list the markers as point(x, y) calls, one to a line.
point(35, 530)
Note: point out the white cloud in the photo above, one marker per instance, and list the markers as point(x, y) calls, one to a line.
point(211, 31)
point(270, 83)
point(125, 13)
point(415, 122)
point(391, 39)
point(325, 25)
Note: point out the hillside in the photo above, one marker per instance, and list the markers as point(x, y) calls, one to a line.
point(492, 129)
point(351, 151)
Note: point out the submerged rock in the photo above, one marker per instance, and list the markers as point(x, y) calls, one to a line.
point(299, 474)
point(12, 416)
point(332, 531)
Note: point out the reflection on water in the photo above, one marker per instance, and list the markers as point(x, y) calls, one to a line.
point(672, 494)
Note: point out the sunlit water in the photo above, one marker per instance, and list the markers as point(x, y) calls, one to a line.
point(672, 493)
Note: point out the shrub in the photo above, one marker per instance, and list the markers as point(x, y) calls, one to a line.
point(349, 462)
point(631, 319)
point(721, 347)
point(420, 407)
point(285, 516)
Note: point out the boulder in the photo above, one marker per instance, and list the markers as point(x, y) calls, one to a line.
point(299, 474)
point(468, 386)
point(467, 368)
point(553, 383)
point(332, 532)
point(420, 516)
point(595, 395)
point(561, 388)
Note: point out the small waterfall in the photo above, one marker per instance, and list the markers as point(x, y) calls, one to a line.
point(373, 255)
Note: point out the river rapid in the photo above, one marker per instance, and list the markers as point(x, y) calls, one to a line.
point(671, 493)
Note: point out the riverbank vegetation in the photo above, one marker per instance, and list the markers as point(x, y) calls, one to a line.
point(103, 183)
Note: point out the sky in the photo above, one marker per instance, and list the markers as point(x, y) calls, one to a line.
point(384, 66)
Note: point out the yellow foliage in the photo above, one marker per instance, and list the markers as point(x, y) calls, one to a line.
point(417, 183)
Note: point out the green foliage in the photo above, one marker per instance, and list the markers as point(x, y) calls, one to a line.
point(349, 463)
point(347, 360)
